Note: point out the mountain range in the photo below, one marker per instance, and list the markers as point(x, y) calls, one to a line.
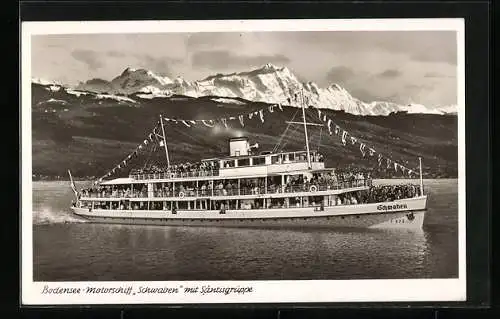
point(268, 84)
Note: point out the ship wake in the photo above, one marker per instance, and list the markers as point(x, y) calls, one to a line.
point(48, 215)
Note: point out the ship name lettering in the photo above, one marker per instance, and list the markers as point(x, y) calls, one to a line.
point(391, 207)
point(158, 290)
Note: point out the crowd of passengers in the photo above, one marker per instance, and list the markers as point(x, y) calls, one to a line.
point(322, 181)
point(182, 169)
point(375, 194)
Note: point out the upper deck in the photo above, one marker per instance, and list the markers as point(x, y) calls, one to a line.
point(237, 166)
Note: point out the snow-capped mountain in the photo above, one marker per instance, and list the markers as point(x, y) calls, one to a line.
point(269, 84)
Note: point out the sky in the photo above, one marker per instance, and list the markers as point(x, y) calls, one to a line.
point(395, 66)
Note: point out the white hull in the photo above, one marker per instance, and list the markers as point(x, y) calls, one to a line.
point(406, 213)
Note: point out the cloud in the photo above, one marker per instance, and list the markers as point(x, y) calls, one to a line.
point(223, 59)
point(417, 87)
point(436, 75)
point(390, 73)
point(159, 65)
point(366, 96)
point(115, 54)
point(436, 55)
point(89, 57)
point(340, 74)
point(211, 40)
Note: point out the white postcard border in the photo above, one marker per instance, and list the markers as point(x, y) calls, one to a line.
point(301, 291)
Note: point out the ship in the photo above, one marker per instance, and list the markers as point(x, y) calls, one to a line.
point(249, 188)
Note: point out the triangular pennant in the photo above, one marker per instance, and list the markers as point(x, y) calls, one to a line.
point(261, 113)
point(353, 140)
point(185, 123)
point(395, 166)
point(337, 129)
point(271, 108)
point(379, 160)
point(232, 118)
point(329, 124)
point(372, 152)
point(224, 121)
point(193, 122)
point(319, 114)
point(280, 107)
point(145, 142)
point(344, 137)
point(240, 117)
point(388, 163)
point(208, 123)
point(324, 118)
point(362, 149)
point(140, 146)
point(250, 116)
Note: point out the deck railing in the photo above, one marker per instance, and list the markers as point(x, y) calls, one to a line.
point(233, 191)
point(170, 175)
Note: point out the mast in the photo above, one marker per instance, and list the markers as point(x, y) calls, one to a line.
point(164, 141)
point(421, 180)
point(305, 129)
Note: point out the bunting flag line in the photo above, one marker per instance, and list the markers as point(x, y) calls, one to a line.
point(205, 122)
point(362, 147)
point(240, 117)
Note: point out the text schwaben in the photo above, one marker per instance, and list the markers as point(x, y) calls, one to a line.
point(392, 207)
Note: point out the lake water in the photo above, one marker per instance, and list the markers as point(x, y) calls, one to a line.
point(66, 248)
